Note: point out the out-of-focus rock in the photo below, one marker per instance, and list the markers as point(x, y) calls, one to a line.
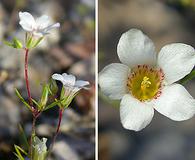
point(80, 49)
point(84, 69)
point(59, 59)
point(10, 58)
point(44, 129)
point(62, 151)
point(9, 117)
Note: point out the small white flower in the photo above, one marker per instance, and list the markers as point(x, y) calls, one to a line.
point(38, 27)
point(146, 80)
point(71, 85)
point(39, 148)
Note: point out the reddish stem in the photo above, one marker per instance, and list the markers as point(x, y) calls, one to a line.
point(60, 120)
point(26, 76)
point(61, 110)
point(34, 111)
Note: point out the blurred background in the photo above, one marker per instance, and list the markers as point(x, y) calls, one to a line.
point(68, 49)
point(164, 21)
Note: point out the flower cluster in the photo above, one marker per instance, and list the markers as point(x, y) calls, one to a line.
point(145, 80)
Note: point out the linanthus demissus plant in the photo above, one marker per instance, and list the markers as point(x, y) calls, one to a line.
point(36, 30)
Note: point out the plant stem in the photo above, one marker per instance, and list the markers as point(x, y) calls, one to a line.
point(61, 111)
point(26, 77)
point(32, 135)
point(34, 111)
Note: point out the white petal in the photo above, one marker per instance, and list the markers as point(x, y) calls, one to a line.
point(113, 80)
point(135, 115)
point(58, 77)
point(69, 80)
point(81, 83)
point(135, 48)
point(175, 102)
point(27, 21)
point(176, 60)
point(42, 22)
point(47, 29)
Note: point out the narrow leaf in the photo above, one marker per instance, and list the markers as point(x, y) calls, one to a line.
point(17, 43)
point(37, 42)
point(44, 96)
point(8, 43)
point(18, 152)
point(23, 136)
point(51, 105)
point(62, 93)
point(35, 102)
point(29, 42)
point(53, 88)
point(22, 99)
point(19, 158)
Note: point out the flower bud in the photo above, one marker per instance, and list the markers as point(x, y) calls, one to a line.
point(39, 148)
point(53, 87)
point(44, 97)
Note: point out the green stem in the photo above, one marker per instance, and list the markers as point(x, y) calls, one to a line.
point(32, 135)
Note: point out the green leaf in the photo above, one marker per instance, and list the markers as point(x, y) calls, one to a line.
point(18, 150)
point(62, 94)
point(53, 88)
point(23, 136)
point(51, 105)
point(35, 43)
point(10, 44)
point(37, 104)
point(17, 43)
point(44, 96)
point(22, 99)
point(29, 42)
point(188, 77)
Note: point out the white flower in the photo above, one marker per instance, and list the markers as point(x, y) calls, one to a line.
point(146, 80)
point(39, 148)
point(38, 27)
point(71, 85)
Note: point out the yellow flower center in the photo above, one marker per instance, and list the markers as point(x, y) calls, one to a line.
point(145, 82)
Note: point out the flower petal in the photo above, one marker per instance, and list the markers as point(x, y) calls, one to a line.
point(69, 80)
point(56, 25)
point(113, 80)
point(27, 21)
point(58, 77)
point(42, 22)
point(81, 83)
point(135, 48)
point(135, 115)
point(176, 60)
point(175, 102)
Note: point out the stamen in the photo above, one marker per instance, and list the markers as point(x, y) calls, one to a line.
point(145, 82)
